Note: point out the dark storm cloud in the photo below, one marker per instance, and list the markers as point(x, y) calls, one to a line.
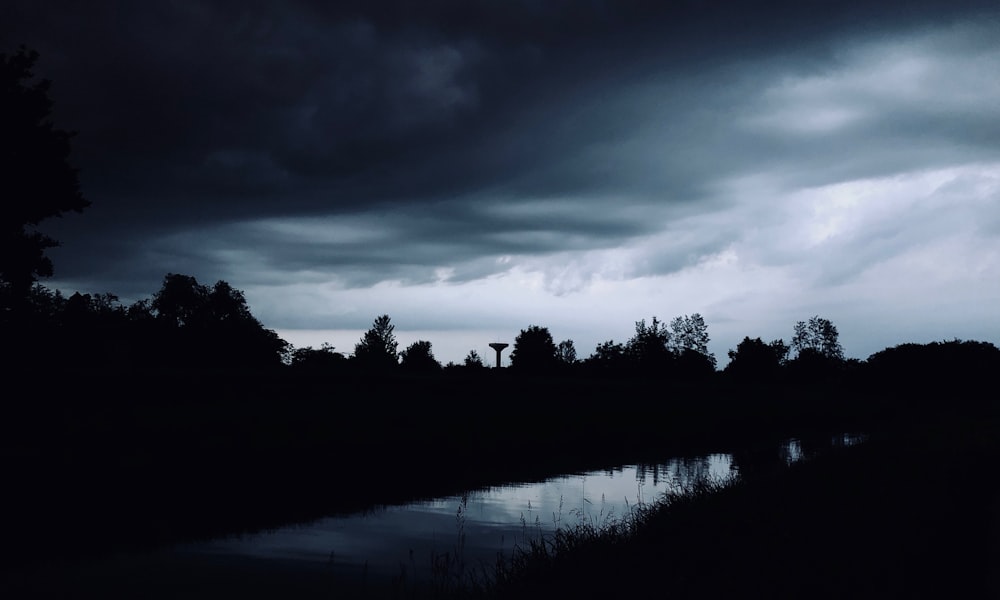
point(434, 123)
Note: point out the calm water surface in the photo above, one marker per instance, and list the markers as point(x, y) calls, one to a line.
point(473, 527)
point(390, 544)
point(476, 526)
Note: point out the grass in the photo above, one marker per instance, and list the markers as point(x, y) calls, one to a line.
point(915, 514)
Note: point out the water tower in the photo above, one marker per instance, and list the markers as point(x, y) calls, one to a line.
point(498, 346)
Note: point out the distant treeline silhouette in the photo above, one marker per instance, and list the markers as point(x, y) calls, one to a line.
point(193, 326)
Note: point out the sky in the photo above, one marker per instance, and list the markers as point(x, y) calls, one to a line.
point(474, 167)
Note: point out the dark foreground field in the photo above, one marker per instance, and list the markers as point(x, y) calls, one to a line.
point(99, 464)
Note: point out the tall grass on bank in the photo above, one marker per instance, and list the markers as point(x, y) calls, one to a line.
point(914, 515)
point(584, 544)
point(542, 555)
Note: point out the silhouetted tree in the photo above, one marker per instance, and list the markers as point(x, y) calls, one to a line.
point(817, 335)
point(534, 351)
point(199, 326)
point(608, 358)
point(942, 366)
point(377, 348)
point(648, 348)
point(227, 304)
point(36, 178)
point(566, 352)
point(754, 360)
point(418, 358)
point(182, 302)
point(689, 332)
point(316, 360)
point(691, 365)
point(474, 361)
point(86, 309)
point(689, 337)
point(818, 354)
point(141, 311)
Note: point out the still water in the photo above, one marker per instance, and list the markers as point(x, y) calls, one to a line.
point(402, 541)
point(391, 544)
point(474, 528)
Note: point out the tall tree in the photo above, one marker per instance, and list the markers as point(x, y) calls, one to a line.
point(534, 351)
point(608, 358)
point(36, 179)
point(322, 359)
point(419, 358)
point(182, 301)
point(689, 332)
point(818, 336)
point(201, 326)
point(227, 304)
point(473, 360)
point(377, 348)
point(648, 349)
point(566, 352)
point(755, 360)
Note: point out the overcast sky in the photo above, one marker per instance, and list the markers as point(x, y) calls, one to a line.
point(475, 167)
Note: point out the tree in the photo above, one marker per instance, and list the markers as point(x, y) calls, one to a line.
point(534, 351)
point(691, 365)
point(474, 361)
point(566, 352)
point(202, 326)
point(754, 360)
point(818, 336)
point(89, 331)
point(227, 304)
point(419, 358)
point(955, 370)
point(317, 359)
point(648, 348)
point(182, 301)
point(689, 334)
point(608, 358)
point(37, 180)
point(377, 347)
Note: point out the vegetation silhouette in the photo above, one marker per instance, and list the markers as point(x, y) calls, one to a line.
point(817, 336)
point(38, 181)
point(690, 333)
point(473, 360)
point(534, 353)
point(196, 325)
point(377, 349)
point(472, 366)
point(419, 358)
point(648, 349)
point(322, 360)
point(608, 360)
point(755, 361)
point(566, 353)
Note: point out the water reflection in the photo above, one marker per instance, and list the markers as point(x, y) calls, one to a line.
point(474, 527)
point(403, 541)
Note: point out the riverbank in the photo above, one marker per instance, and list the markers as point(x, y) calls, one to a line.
point(912, 515)
point(108, 463)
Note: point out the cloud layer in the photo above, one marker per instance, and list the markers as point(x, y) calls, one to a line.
point(483, 166)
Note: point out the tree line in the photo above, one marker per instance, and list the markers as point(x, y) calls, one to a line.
point(678, 351)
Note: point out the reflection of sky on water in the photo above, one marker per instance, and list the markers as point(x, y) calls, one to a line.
point(476, 526)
